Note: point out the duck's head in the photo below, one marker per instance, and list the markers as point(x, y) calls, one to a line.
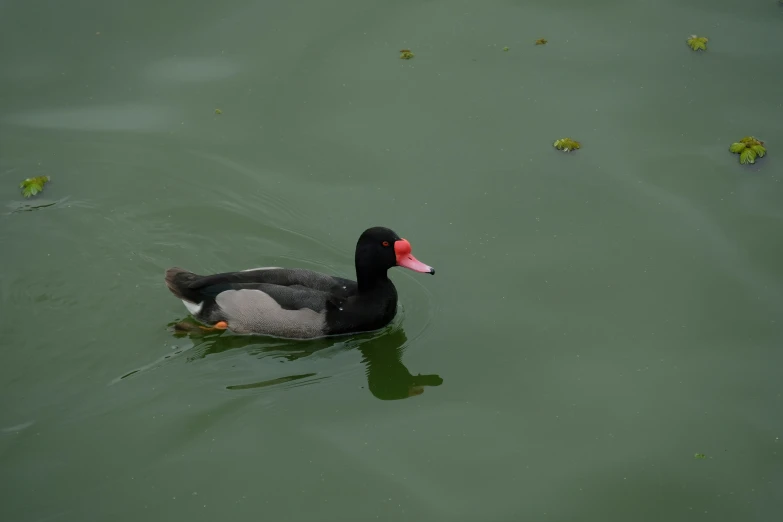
point(382, 248)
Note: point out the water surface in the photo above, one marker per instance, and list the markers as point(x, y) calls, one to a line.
point(596, 320)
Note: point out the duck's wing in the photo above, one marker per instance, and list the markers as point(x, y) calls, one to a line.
point(286, 277)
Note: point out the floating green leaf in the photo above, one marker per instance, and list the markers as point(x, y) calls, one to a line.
point(698, 43)
point(759, 150)
point(736, 148)
point(749, 148)
point(32, 186)
point(406, 54)
point(218, 111)
point(747, 156)
point(541, 41)
point(505, 48)
point(567, 144)
point(699, 456)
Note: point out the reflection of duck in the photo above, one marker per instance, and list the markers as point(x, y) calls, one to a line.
point(387, 376)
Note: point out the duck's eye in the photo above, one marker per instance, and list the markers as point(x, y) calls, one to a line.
point(385, 243)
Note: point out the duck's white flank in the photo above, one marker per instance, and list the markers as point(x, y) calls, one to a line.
point(193, 308)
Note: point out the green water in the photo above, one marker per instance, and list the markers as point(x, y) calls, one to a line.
point(596, 320)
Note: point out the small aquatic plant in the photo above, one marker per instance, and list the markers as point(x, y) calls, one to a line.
point(32, 186)
point(698, 43)
point(505, 48)
point(699, 456)
point(748, 148)
point(218, 111)
point(406, 54)
point(541, 41)
point(567, 144)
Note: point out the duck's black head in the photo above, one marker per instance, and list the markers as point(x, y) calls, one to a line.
point(379, 249)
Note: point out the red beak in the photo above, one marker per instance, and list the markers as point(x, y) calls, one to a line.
point(404, 258)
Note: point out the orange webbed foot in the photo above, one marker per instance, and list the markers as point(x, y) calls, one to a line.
point(220, 325)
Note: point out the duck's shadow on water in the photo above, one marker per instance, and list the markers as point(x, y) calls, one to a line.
point(387, 377)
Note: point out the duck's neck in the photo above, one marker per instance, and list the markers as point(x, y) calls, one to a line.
point(372, 280)
point(376, 297)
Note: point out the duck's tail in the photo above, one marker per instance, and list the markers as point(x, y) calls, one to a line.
point(179, 282)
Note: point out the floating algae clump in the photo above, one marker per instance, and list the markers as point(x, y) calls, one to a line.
point(698, 43)
point(541, 41)
point(32, 186)
point(748, 148)
point(406, 54)
point(567, 144)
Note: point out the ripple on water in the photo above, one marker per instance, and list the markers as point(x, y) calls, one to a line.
point(255, 193)
point(119, 117)
point(18, 427)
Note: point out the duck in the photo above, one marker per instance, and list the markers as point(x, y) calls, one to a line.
point(296, 303)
